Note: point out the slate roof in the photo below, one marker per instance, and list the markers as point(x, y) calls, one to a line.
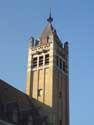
point(49, 30)
point(11, 94)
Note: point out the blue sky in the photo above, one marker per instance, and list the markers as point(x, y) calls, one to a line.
point(74, 22)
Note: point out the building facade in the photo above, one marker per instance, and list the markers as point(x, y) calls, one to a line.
point(48, 75)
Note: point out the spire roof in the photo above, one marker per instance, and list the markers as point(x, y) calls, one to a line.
point(49, 29)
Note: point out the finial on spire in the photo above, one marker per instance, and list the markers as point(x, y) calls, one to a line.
point(50, 19)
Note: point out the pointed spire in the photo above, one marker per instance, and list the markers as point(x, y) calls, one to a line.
point(50, 19)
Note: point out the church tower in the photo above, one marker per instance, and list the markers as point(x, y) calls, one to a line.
point(48, 75)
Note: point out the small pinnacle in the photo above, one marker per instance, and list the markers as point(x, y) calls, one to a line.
point(50, 19)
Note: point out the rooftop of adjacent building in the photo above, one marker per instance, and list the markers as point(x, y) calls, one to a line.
point(12, 99)
point(9, 93)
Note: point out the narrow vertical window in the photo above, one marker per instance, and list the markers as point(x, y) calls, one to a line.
point(64, 67)
point(40, 92)
point(40, 60)
point(57, 60)
point(60, 63)
point(60, 122)
point(46, 59)
point(34, 62)
point(60, 94)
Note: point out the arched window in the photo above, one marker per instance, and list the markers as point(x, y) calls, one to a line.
point(30, 120)
point(12, 112)
point(43, 123)
point(15, 115)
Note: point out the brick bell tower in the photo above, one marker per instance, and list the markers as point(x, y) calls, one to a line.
point(48, 76)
